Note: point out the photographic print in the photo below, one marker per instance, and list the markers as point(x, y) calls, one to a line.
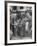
point(20, 22)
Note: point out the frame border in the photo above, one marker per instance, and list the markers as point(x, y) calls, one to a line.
point(6, 22)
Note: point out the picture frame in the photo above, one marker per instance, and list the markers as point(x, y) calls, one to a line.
point(30, 7)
